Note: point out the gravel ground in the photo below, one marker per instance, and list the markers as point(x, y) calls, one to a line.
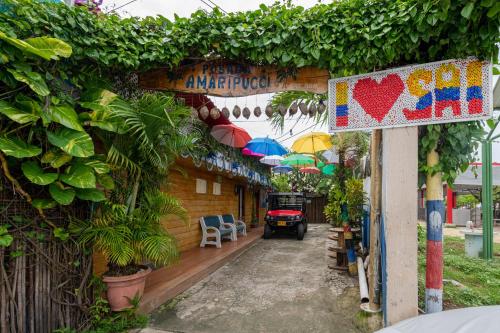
point(278, 285)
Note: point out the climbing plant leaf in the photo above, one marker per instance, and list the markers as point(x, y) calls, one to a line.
point(75, 143)
point(80, 176)
point(63, 196)
point(18, 148)
point(65, 115)
point(90, 194)
point(16, 114)
point(35, 173)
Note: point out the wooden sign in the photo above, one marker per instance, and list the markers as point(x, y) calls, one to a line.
point(439, 92)
point(230, 79)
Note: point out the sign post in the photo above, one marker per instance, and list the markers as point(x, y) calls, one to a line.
point(433, 93)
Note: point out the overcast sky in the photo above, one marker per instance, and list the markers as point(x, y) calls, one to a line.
point(257, 127)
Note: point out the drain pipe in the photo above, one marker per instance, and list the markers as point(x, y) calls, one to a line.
point(363, 286)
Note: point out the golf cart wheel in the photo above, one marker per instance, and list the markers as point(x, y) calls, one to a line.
point(300, 232)
point(267, 231)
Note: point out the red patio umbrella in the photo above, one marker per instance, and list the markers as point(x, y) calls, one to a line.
point(310, 169)
point(230, 135)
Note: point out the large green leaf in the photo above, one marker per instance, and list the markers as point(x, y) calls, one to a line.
point(52, 47)
point(79, 175)
point(106, 181)
point(63, 196)
point(17, 148)
point(91, 194)
point(44, 203)
point(35, 174)
point(73, 142)
point(5, 238)
point(45, 47)
point(33, 79)
point(98, 166)
point(56, 158)
point(103, 113)
point(15, 114)
point(65, 115)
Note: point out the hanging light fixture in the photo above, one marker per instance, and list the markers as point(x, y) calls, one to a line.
point(246, 112)
point(282, 109)
point(312, 109)
point(225, 112)
point(204, 112)
point(257, 111)
point(215, 113)
point(293, 108)
point(269, 110)
point(321, 107)
point(303, 108)
point(236, 111)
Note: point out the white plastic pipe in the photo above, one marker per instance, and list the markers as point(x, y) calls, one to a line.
point(363, 286)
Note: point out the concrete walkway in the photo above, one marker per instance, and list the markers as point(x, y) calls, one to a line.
point(278, 285)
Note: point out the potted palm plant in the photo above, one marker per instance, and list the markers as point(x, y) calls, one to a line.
point(128, 240)
point(127, 230)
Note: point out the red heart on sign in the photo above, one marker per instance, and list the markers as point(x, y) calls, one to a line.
point(377, 99)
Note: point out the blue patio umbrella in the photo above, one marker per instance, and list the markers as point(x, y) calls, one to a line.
point(266, 146)
point(282, 169)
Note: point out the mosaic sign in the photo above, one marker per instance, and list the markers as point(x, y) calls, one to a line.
point(439, 92)
point(235, 79)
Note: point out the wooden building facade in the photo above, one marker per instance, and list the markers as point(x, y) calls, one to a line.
point(207, 189)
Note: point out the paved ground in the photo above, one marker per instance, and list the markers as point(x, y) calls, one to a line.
point(278, 285)
point(458, 232)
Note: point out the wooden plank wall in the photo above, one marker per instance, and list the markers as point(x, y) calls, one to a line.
point(315, 209)
point(183, 187)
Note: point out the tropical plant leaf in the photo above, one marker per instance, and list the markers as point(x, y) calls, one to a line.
point(44, 203)
point(61, 233)
point(17, 115)
point(63, 196)
point(106, 181)
point(65, 115)
point(33, 79)
point(35, 174)
point(50, 47)
point(5, 238)
point(17, 148)
point(91, 194)
point(44, 47)
point(73, 142)
point(56, 158)
point(80, 176)
point(99, 167)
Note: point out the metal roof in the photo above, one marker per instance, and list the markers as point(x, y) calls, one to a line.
point(472, 177)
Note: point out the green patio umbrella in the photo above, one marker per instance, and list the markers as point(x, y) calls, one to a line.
point(328, 169)
point(298, 160)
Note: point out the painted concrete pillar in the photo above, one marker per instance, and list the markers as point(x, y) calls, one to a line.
point(399, 211)
point(434, 261)
point(450, 204)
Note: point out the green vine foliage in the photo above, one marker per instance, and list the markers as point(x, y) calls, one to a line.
point(46, 149)
point(456, 144)
point(346, 37)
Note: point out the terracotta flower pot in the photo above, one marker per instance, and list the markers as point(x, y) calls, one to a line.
point(121, 289)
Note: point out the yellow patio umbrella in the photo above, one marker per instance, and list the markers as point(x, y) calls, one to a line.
point(312, 143)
